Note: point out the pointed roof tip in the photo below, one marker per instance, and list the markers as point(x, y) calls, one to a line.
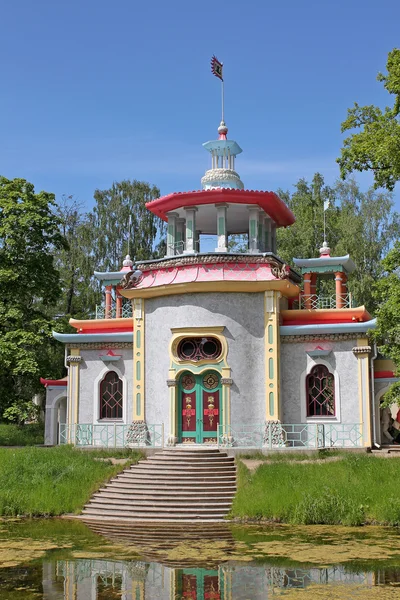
point(324, 251)
point(222, 131)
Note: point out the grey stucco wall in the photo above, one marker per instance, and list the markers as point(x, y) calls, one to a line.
point(295, 360)
point(90, 368)
point(242, 315)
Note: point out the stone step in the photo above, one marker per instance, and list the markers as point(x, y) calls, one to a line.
point(150, 473)
point(158, 481)
point(182, 519)
point(184, 485)
point(181, 473)
point(197, 451)
point(147, 494)
point(155, 511)
point(111, 502)
point(124, 488)
point(195, 462)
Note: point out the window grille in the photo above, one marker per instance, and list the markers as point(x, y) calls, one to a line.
point(111, 396)
point(320, 387)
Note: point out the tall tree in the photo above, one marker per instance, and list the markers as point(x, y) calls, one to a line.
point(387, 333)
point(76, 261)
point(29, 285)
point(376, 147)
point(120, 218)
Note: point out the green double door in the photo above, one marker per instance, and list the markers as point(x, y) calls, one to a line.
point(199, 407)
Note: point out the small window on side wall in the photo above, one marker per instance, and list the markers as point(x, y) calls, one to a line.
point(111, 396)
point(320, 391)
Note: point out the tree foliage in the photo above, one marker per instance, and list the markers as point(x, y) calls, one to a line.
point(120, 216)
point(387, 332)
point(376, 146)
point(29, 285)
point(362, 224)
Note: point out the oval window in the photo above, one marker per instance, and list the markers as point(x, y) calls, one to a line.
point(196, 349)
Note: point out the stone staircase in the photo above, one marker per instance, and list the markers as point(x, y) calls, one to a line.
point(185, 484)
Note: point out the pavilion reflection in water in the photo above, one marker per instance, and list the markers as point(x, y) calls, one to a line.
point(90, 579)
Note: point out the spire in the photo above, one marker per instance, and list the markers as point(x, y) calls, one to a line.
point(223, 153)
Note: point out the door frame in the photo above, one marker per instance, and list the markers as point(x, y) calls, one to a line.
point(199, 390)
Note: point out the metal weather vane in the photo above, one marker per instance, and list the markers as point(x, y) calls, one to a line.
point(217, 70)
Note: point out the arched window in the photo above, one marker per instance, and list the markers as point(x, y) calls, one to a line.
point(320, 390)
point(111, 396)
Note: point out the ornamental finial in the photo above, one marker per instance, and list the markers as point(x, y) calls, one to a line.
point(325, 250)
point(127, 264)
point(222, 130)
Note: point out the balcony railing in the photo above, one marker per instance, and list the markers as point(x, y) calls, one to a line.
point(315, 301)
point(273, 435)
point(112, 313)
point(113, 435)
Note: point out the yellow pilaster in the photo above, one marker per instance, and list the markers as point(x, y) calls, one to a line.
point(362, 352)
point(272, 349)
point(138, 359)
point(226, 382)
point(73, 360)
point(173, 401)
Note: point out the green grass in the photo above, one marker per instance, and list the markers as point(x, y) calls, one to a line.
point(28, 435)
point(354, 490)
point(286, 456)
point(51, 481)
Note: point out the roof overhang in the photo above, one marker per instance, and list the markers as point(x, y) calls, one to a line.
point(267, 201)
point(328, 329)
point(328, 263)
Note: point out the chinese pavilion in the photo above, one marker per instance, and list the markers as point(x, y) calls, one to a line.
point(221, 347)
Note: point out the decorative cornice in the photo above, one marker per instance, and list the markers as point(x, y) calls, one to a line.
point(226, 381)
point(334, 337)
point(74, 359)
point(101, 345)
point(362, 349)
point(215, 176)
point(172, 383)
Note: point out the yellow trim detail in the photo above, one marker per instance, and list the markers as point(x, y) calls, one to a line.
point(272, 355)
point(179, 333)
point(364, 394)
point(138, 311)
point(284, 286)
point(73, 392)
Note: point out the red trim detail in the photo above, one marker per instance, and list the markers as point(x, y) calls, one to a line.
point(323, 316)
point(268, 201)
point(384, 374)
point(54, 382)
point(108, 330)
point(102, 325)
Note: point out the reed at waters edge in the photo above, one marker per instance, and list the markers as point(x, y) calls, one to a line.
point(52, 481)
point(356, 489)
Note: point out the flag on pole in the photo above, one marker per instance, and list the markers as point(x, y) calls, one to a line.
point(327, 205)
point(216, 67)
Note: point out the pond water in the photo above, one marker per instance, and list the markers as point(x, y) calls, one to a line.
point(66, 560)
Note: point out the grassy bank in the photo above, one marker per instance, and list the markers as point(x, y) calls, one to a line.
point(354, 489)
point(28, 435)
point(52, 481)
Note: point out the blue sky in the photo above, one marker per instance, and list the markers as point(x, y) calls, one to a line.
point(98, 91)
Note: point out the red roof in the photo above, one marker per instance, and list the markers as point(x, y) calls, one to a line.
point(56, 382)
point(268, 201)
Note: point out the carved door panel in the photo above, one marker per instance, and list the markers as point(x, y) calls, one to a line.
point(210, 384)
point(188, 409)
point(199, 407)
